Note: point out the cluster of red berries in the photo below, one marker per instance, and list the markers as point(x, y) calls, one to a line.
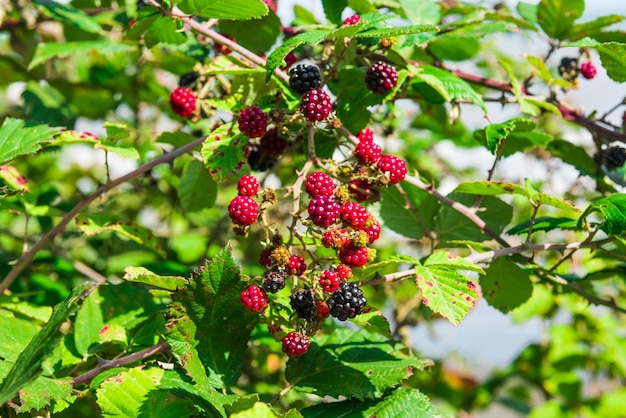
point(183, 101)
point(243, 209)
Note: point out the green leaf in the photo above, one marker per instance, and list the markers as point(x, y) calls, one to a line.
point(535, 106)
point(594, 27)
point(95, 224)
point(574, 155)
point(450, 86)
point(19, 138)
point(505, 285)
point(135, 393)
point(205, 311)
point(351, 364)
point(55, 394)
point(164, 30)
point(556, 17)
point(396, 31)
point(541, 198)
point(88, 324)
point(46, 51)
point(28, 365)
point(454, 49)
point(452, 225)
point(276, 58)
point(480, 30)
point(402, 402)
point(613, 55)
point(613, 209)
point(255, 35)
point(259, 410)
point(527, 11)
point(196, 189)
point(333, 10)
point(67, 13)
point(143, 275)
point(374, 322)
point(16, 333)
point(370, 270)
point(493, 135)
point(411, 222)
point(222, 151)
point(225, 9)
point(421, 12)
point(491, 188)
point(445, 290)
point(448, 260)
point(545, 224)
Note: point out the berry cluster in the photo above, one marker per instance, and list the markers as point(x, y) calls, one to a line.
point(351, 20)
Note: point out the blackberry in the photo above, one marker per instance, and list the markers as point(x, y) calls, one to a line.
point(319, 184)
point(188, 79)
point(351, 20)
point(394, 167)
point(258, 159)
point(252, 122)
point(368, 152)
point(330, 281)
point(336, 238)
point(248, 186)
point(361, 189)
point(183, 101)
point(295, 344)
point(142, 3)
point(344, 272)
point(323, 211)
point(347, 302)
point(223, 49)
point(588, 70)
point(322, 309)
point(243, 210)
point(296, 265)
point(290, 59)
point(615, 157)
point(304, 77)
point(354, 215)
point(569, 68)
point(372, 228)
point(381, 77)
point(265, 257)
point(254, 299)
point(316, 105)
point(272, 144)
point(354, 256)
point(273, 280)
point(303, 304)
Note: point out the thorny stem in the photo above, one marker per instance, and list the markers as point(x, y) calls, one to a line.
point(103, 365)
point(28, 256)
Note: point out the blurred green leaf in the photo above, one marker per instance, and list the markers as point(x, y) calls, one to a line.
point(556, 17)
point(505, 286)
point(613, 210)
point(17, 137)
point(196, 189)
point(225, 9)
point(143, 275)
point(46, 51)
point(67, 13)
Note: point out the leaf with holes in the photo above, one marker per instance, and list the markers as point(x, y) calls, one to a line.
point(223, 151)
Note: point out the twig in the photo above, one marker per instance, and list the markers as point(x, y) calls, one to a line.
point(28, 256)
point(103, 365)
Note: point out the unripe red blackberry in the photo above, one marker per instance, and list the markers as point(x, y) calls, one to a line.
point(588, 70)
point(319, 184)
point(361, 189)
point(223, 49)
point(322, 309)
point(295, 344)
point(272, 144)
point(336, 238)
point(183, 101)
point(290, 59)
point(265, 257)
point(372, 228)
point(252, 122)
point(352, 20)
point(344, 272)
point(381, 77)
point(303, 305)
point(316, 105)
point(329, 280)
point(254, 299)
point(280, 256)
point(296, 265)
point(248, 186)
point(323, 211)
point(354, 215)
point(243, 210)
point(347, 302)
point(366, 135)
point(273, 280)
point(304, 77)
point(354, 256)
point(394, 167)
point(367, 152)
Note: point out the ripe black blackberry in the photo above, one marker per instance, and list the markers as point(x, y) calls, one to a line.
point(303, 304)
point(273, 280)
point(615, 157)
point(347, 302)
point(381, 77)
point(304, 77)
point(569, 68)
point(258, 159)
point(188, 79)
point(141, 4)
